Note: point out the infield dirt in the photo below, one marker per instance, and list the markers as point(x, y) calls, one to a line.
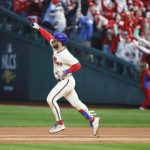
point(40, 135)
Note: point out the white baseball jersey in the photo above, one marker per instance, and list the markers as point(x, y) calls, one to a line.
point(62, 60)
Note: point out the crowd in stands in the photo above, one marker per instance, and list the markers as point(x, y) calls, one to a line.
point(115, 27)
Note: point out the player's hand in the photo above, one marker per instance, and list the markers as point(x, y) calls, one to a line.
point(35, 26)
point(60, 74)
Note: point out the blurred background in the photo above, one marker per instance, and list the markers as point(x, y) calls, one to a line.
point(111, 38)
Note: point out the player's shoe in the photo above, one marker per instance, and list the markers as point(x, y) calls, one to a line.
point(95, 125)
point(57, 128)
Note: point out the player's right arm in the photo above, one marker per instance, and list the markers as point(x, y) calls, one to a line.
point(47, 36)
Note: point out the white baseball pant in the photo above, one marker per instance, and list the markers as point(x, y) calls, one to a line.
point(64, 88)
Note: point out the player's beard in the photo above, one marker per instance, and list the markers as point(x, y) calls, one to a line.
point(55, 45)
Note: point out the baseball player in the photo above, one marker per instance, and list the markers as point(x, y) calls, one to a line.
point(64, 64)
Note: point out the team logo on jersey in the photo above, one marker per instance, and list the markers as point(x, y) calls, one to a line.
point(8, 68)
point(56, 61)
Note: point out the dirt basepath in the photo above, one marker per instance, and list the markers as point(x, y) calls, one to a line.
point(73, 135)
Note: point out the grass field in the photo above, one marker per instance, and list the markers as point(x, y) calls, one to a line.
point(27, 116)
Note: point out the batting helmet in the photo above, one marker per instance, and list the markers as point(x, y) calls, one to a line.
point(61, 37)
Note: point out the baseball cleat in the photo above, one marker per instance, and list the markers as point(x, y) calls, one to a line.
point(57, 128)
point(92, 112)
point(95, 125)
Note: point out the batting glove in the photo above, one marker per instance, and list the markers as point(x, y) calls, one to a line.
point(60, 74)
point(35, 26)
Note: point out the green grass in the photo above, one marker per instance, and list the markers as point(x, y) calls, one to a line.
point(27, 116)
point(75, 147)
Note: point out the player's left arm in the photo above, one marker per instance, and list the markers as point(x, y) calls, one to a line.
point(72, 62)
point(73, 68)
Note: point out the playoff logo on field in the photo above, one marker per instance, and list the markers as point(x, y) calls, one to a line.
point(8, 67)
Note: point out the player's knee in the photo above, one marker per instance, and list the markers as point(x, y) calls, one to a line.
point(49, 100)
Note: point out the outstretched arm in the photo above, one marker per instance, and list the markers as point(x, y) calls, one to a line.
point(47, 36)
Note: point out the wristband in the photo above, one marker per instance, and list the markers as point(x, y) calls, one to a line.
point(67, 71)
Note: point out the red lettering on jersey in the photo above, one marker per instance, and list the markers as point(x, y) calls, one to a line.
point(56, 61)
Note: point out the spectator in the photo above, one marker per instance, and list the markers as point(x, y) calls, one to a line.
point(147, 25)
point(73, 11)
point(122, 5)
point(54, 17)
point(108, 8)
point(85, 29)
point(35, 10)
point(21, 7)
point(145, 85)
point(111, 37)
point(99, 24)
point(128, 50)
point(142, 43)
point(106, 48)
point(93, 11)
point(128, 18)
